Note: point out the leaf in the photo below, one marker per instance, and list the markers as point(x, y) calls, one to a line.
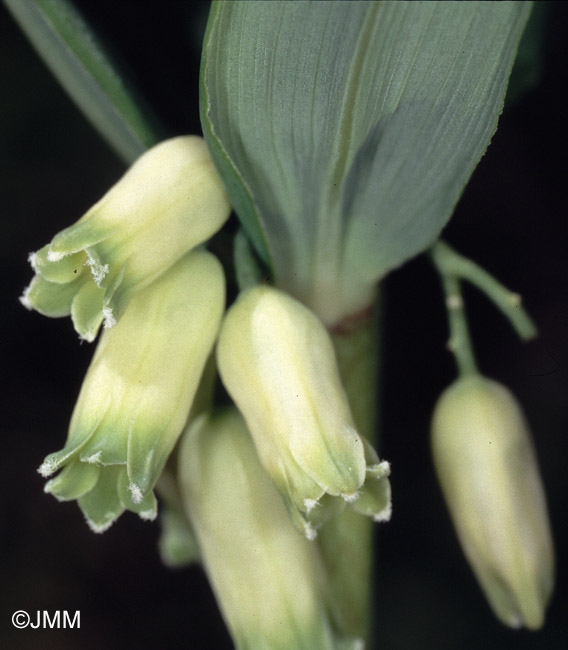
point(77, 58)
point(345, 132)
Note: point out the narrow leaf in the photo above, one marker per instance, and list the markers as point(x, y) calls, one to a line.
point(80, 63)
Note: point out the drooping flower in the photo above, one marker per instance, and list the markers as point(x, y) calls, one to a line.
point(170, 201)
point(277, 361)
point(489, 475)
point(137, 393)
point(268, 580)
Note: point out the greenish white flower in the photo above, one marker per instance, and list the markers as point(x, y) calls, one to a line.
point(170, 201)
point(488, 471)
point(137, 393)
point(268, 580)
point(278, 363)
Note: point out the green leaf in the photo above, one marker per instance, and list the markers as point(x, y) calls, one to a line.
point(248, 268)
point(345, 132)
point(78, 60)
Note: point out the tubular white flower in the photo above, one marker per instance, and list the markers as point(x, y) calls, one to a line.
point(278, 363)
point(489, 475)
point(170, 201)
point(268, 580)
point(138, 391)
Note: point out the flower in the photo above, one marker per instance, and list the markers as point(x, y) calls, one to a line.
point(268, 580)
point(488, 472)
point(137, 393)
point(168, 202)
point(277, 361)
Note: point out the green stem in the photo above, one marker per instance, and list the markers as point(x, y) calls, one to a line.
point(452, 264)
point(346, 540)
point(459, 342)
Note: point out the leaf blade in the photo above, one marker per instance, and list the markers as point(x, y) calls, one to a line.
point(293, 91)
point(79, 61)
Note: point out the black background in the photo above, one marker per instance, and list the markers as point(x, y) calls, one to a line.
point(511, 219)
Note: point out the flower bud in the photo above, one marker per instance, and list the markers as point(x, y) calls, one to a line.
point(267, 579)
point(168, 202)
point(137, 393)
point(488, 471)
point(278, 363)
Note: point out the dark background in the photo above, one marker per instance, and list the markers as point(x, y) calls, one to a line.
point(511, 219)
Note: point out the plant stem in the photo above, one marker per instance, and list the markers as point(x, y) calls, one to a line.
point(346, 540)
point(452, 264)
point(459, 342)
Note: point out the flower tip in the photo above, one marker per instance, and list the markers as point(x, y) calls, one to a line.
point(93, 459)
point(47, 488)
point(515, 622)
point(136, 494)
point(100, 528)
point(310, 504)
point(383, 469)
point(24, 299)
point(383, 515)
point(52, 256)
point(350, 498)
point(51, 488)
point(109, 318)
point(98, 269)
point(46, 469)
point(310, 532)
point(148, 515)
point(87, 337)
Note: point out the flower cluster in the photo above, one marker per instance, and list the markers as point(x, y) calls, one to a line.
point(288, 451)
point(133, 262)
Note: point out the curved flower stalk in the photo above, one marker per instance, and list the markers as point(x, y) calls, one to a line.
point(488, 471)
point(170, 201)
point(138, 392)
point(278, 363)
point(268, 580)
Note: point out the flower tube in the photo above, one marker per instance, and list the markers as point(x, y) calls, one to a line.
point(277, 361)
point(170, 201)
point(489, 475)
point(137, 393)
point(268, 580)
